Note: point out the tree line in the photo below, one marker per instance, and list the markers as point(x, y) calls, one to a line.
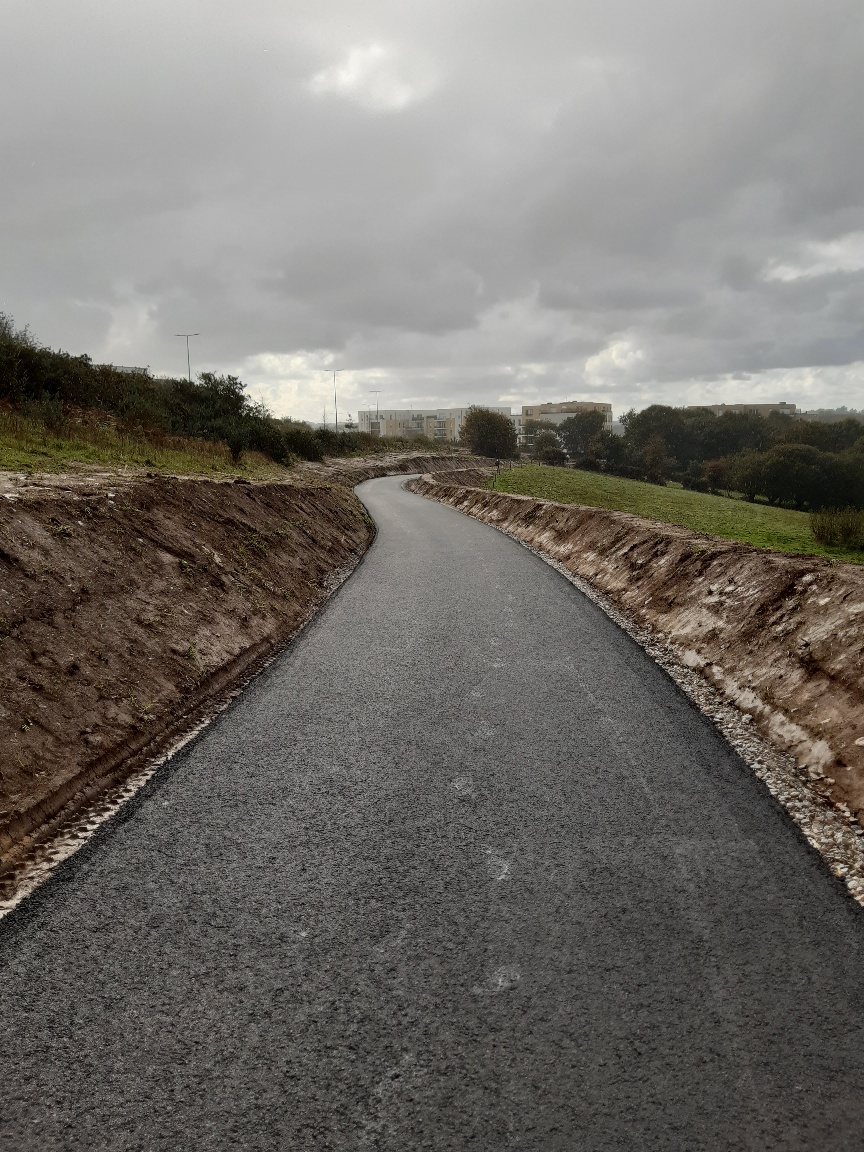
point(786, 461)
point(48, 386)
point(799, 463)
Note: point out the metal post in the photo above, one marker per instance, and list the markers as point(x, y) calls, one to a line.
point(188, 361)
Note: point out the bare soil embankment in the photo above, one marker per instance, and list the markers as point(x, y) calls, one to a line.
point(354, 470)
point(781, 637)
point(130, 606)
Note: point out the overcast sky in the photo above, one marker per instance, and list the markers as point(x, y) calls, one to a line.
point(457, 200)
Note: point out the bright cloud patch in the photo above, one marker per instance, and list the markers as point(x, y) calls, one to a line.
point(372, 76)
point(616, 363)
point(843, 255)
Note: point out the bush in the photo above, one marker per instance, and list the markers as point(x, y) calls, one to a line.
point(694, 478)
point(838, 527)
point(556, 457)
point(489, 433)
point(547, 447)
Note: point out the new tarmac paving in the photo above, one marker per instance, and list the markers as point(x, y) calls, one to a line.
point(462, 869)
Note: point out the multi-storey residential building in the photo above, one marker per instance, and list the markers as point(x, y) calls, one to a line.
point(557, 413)
point(436, 423)
point(446, 423)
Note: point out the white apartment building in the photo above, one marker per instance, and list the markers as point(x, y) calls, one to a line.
point(446, 423)
point(436, 423)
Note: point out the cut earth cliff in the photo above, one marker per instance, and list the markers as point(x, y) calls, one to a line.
point(131, 607)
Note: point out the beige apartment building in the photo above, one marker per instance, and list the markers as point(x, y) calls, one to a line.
point(557, 413)
point(446, 423)
point(436, 423)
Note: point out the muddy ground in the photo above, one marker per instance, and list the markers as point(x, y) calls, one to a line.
point(129, 605)
point(781, 637)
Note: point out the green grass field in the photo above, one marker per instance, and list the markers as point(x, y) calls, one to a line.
point(780, 529)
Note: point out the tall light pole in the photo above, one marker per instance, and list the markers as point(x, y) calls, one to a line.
point(376, 392)
point(188, 362)
point(335, 401)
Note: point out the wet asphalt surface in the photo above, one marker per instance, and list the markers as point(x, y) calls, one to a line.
point(462, 869)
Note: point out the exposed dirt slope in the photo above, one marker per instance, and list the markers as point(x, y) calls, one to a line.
point(782, 637)
point(354, 470)
point(124, 609)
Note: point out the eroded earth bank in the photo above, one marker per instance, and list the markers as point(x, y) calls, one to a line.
point(781, 637)
point(130, 607)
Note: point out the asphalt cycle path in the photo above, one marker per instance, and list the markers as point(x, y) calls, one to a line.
point(462, 869)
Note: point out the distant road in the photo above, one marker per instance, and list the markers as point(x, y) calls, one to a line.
point(462, 870)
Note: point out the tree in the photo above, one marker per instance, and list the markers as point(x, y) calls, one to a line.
point(610, 450)
point(717, 475)
point(657, 422)
point(745, 473)
point(655, 460)
point(547, 448)
point(796, 474)
point(488, 433)
point(579, 430)
point(532, 427)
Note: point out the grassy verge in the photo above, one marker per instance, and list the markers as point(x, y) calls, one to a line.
point(28, 446)
point(780, 529)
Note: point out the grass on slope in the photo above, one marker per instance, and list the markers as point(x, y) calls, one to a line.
point(28, 446)
point(780, 529)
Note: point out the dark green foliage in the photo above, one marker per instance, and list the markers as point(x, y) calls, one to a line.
point(46, 386)
point(532, 427)
point(489, 433)
point(655, 459)
point(837, 437)
point(577, 432)
point(797, 463)
point(547, 448)
point(745, 473)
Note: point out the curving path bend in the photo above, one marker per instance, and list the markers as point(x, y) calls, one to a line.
point(462, 869)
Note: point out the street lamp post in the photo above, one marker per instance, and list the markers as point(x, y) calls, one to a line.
point(376, 392)
point(188, 361)
point(336, 371)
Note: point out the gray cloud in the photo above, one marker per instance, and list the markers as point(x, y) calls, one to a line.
point(460, 201)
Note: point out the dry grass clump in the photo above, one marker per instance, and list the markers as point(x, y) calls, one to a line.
point(838, 527)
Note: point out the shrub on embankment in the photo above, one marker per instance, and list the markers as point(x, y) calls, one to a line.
point(72, 400)
point(839, 527)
